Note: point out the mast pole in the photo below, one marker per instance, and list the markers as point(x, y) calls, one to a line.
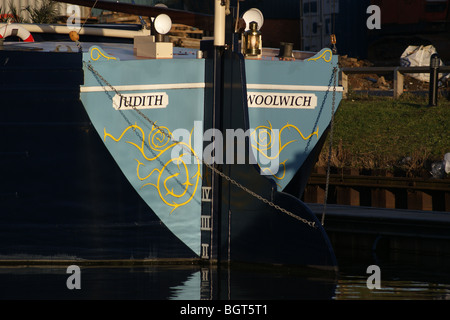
point(216, 123)
point(219, 23)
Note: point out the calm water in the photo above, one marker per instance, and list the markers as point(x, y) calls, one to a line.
point(399, 282)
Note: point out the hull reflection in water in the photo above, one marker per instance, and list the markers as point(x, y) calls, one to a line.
point(162, 283)
point(196, 283)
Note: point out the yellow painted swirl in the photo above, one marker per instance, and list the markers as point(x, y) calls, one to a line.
point(174, 172)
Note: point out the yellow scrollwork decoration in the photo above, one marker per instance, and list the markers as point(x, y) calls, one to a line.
point(323, 56)
point(262, 140)
point(163, 178)
point(99, 54)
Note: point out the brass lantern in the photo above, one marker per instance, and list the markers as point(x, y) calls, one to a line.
point(252, 42)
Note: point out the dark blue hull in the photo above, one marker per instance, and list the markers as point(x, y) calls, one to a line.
point(52, 161)
point(265, 226)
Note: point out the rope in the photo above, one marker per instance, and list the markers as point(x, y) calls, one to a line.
point(75, 36)
point(333, 28)
point(90, 14)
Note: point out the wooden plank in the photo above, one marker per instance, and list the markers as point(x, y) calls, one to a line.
point(347, 196)
point(419, 200)
point(199, 20)
point(398, 83)
point(383, 198)
point(344, 83)
point(376, 70)
point(425, 69)
point(314, 194)
point(368, 70)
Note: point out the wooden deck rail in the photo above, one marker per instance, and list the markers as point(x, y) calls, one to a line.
point(398, 73)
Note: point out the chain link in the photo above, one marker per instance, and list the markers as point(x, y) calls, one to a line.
point(211, 167)
point(327, 183)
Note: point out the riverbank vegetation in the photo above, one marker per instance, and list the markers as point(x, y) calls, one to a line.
point(403, 137)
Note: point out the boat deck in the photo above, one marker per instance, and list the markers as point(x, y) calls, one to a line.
point(125, 52)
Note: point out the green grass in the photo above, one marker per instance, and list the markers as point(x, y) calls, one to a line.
point(384, 133)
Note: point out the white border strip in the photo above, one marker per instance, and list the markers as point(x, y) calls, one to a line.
point(291, 87)
point(198, 85)
point(201, 85)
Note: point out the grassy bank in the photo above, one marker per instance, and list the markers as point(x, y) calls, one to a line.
point(403, 136)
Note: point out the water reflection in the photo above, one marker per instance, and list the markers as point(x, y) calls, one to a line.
point(164, 283)
point(400, 280)
point(355, 288)
point(96, 283)
point(275, 283)
point(220, 283)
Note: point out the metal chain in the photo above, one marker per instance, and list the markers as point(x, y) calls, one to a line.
point(320, 110)
point(223, 175)
point(327, 183)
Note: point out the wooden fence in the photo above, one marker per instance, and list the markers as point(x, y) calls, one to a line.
point(348, 187)
point(397, 72)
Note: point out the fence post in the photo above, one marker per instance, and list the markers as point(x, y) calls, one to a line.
point(344, 83)
point(398, 83)
point(419, 200)
point(348, 195)
point(434, 71)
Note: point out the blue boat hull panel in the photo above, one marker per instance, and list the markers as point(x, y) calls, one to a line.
point(295, 99)
point(165, 174)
